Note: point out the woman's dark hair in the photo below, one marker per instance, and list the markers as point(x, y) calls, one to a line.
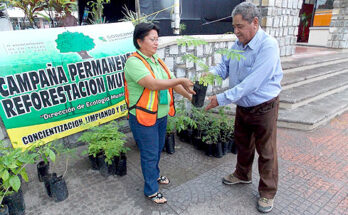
point(142, 30)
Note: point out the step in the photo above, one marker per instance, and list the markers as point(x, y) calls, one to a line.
point(315, 113)
point(292, 65)
point(295, 79)
point(306, 93)
point(311, 115)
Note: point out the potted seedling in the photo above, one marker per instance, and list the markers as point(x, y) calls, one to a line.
point(202, 82)
point(106, 146)
point(13, 164)
point(200, 118)
point(45, 152)
point(226, 130)
point(211, 137)
point(170, 135)
point(226, 137)
point(184, 126)
point(56, 184)
point(95, 147)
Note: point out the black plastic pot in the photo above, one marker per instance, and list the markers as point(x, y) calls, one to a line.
point(48, 180)
point(121, 168)
point(42, 169)
point(198, 98)
point(112, 167)
point(197, 142)
point(224, 148)
point(15, 203)
point(209, 149)
point(189, 135)
point(4, 210)
point(170, 143)
point(218, 150)
point(185, 135)
point(182, 135)
point(94, 162)
point(103, 166)
point(233, 147)
point(59, 189)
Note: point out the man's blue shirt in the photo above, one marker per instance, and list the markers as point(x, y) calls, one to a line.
point(255, 79)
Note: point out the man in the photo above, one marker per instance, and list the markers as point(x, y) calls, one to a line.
point(254, 87)
point(69, 20)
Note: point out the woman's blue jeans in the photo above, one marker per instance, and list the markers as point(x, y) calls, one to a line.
point(150, 141)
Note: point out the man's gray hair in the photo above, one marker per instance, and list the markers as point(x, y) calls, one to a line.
point(248, 11)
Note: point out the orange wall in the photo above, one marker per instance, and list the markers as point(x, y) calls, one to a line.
point(322, 18)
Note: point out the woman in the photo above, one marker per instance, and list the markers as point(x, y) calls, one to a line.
point(149, 95)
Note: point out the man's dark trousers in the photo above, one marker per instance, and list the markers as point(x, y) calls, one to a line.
point(256, 127)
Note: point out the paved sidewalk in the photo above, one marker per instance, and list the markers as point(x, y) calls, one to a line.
point(313, 179)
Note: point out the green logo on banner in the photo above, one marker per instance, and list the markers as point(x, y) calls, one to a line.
point(75, 42)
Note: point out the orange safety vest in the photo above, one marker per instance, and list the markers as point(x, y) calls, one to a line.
point(147, 105)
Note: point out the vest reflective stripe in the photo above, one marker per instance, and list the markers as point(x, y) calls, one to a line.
point(151, 101)
point(147, 105)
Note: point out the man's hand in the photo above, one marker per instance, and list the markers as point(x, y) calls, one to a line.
point(213, 102)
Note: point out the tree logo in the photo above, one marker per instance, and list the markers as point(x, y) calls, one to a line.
point(75, 42)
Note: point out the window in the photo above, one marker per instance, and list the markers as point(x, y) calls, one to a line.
point(323, 13)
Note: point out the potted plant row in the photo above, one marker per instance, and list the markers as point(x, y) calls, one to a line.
point(213, 132)
point(106, 149)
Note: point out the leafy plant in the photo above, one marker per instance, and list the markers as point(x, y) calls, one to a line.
point(231, 53)
point(30, 8)
point(226, 125)
point(45, 152)
point(97, 11)
point(106, 139)
point(62, 7)
point(201, 119)
point(212, 131)
point(305, 18)
point(182, 120)
point(49, 151)
point(182, 27)
point(13, 163)
point(135, 18)
point(208, 78)
point(190, 41)
point(171, 124)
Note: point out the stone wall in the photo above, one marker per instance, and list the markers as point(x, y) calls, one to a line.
point(338, 32)
point(280, 19)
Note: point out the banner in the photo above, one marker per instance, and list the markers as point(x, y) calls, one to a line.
point(60, 81)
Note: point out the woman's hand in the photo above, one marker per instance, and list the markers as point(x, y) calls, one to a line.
point(160, 84)
point(187, 84)
point(181, 90)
